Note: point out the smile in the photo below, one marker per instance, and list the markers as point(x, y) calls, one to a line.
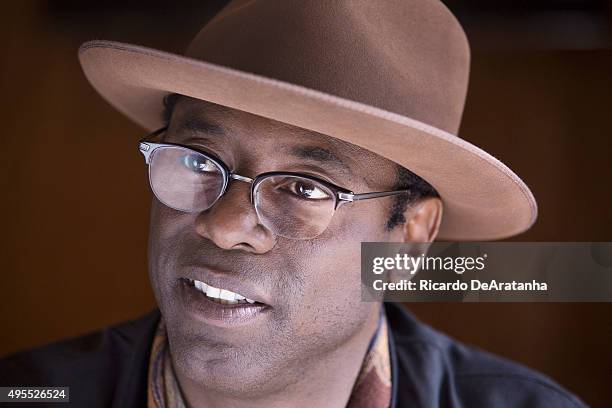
point(218, 306)
point(220, 295)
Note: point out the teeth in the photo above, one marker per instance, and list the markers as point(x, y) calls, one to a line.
point(224, 296)
point(227, 295)
point(211, 291)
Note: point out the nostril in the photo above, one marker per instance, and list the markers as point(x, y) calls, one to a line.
point(244, 247)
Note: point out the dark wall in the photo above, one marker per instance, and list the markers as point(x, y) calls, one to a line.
point(75, 196)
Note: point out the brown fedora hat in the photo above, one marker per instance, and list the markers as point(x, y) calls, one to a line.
point(390, 76)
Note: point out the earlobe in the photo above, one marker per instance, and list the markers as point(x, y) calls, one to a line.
point(423, 220)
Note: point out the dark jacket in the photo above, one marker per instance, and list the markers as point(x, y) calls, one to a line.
point(108, 368)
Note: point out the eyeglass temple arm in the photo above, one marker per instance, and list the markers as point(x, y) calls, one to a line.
point(366, 196)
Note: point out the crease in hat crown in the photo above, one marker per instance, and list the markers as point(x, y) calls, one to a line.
point(389, 76)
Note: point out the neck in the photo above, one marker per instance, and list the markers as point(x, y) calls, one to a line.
point(320, 384)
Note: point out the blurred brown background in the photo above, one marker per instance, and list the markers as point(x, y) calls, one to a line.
point(75, 197)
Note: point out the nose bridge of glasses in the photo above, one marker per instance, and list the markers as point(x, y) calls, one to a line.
point(244, 179)
point(238, 177)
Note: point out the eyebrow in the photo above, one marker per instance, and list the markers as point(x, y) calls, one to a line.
point(320, 155)
point(202, 125)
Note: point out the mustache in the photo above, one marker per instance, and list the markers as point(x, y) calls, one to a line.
point(206, 254)
point(267, 274)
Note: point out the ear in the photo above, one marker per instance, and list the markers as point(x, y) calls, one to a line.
point(422, 221)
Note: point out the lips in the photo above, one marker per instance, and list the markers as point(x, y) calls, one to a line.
point(225, 285)
point(224, 304)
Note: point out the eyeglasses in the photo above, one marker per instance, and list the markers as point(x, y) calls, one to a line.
point(291, 205)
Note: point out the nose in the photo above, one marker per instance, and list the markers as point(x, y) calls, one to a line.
point(232, 222)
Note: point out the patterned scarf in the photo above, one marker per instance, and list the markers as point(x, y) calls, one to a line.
point(371, 390)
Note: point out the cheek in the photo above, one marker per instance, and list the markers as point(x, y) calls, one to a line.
point(165, 224)
point(329, 269)
point(164, 227)
point(328, 310)
point(333, 259)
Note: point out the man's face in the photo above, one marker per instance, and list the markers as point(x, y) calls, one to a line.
point(311, 288)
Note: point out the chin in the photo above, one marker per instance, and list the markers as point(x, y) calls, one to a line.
point(223, 369)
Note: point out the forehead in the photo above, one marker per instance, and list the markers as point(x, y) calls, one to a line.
point(235, 128)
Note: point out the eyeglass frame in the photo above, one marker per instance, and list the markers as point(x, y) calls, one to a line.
point(341, 195)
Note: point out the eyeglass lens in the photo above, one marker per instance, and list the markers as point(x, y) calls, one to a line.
point(288, 205)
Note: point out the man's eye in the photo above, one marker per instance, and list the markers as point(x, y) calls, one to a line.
point(308, 191)
point(199, 164)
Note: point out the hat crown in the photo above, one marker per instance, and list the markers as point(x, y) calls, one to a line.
point(407, 57)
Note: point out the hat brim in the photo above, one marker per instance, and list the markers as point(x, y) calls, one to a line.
point(483, 199)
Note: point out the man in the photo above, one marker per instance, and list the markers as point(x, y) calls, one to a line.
point(267, 143)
